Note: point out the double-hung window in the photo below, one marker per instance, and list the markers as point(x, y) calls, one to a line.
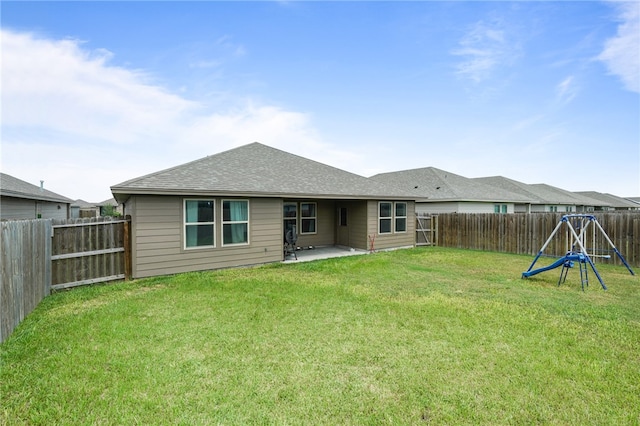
point(385, 220)
point(308, 218)
point(392, 217)
point(401, 217)
point(235, 222)
point(290, 213)
point(199, 223)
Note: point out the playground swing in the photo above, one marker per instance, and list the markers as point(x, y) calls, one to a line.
point(577, 226)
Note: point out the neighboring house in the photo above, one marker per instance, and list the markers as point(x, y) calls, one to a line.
point(233, 208)
point(635, 200)
point(616, 203)
point(546, 198)
point(439, 191)
point(111, 202)
point(22, 200)
point(81, 208)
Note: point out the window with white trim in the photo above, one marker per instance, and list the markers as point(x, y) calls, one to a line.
point(500, 208)
point(290, 214)
point(235, 222)
point(199, 223)
point(401, 217)
point(385, 220)
point(308, 218)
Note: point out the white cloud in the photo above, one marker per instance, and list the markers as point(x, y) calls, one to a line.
point(566, 90)
point(59, 86)
point(82, 125)
point(621, 53)
point(484, 49)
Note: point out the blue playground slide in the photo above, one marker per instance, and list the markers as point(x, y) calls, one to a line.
point(556, 264)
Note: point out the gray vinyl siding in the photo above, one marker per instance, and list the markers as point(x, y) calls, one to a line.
point(325, 225)
point(395, 239)
point(50, 210)
point(158, 244)
point(358, 225)
point(22, 208)
point(461, 207)
point(17, 208)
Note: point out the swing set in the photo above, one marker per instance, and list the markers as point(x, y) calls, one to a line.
point(577, 226)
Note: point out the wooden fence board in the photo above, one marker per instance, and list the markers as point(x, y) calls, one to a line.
point(87, 250)
point(526, 233)
point(25, 270)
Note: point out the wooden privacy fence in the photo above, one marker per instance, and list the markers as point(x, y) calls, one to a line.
point(38, 256)
point(88, 251)
point(25, 258)
point(526, 233)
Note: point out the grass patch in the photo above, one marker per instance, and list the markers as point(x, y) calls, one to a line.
point(428, 335)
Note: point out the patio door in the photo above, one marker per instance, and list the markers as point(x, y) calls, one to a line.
point(342, 228)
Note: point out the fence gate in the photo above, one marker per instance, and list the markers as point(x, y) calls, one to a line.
point(88, 251)
point(426, 230)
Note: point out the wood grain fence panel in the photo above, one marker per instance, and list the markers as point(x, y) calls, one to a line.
point(526, 233)
point(25, 270)
point(91, 250)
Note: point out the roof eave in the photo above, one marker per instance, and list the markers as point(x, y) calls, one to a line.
point(13, 194)
point(124, 193)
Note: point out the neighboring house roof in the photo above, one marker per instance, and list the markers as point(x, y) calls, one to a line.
point(614, 201)
point(84, 204)
point(430, 184)
point(560, 194)
point(14, 187)
point(542, 193)
point(109, 202)
point(256, 170)
point(87, 205)
point(634, 200)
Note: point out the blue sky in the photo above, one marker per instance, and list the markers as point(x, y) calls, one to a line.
point(95, 93)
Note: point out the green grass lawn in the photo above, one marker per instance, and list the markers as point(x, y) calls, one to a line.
point(422, 336)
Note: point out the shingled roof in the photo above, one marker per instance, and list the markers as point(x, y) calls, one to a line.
point(256, 170)
point(432, 184)
point(615, 201)
point(14, 187)
point(540, 192)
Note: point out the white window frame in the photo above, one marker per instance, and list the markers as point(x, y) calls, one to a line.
point(285, 218)
point(232, 222)
point(313, 218)
point(185, 224)
point(389, 218)
point(396, 217)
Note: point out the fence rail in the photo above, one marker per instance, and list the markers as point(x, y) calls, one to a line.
point(88, 251)
point(526, 233)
